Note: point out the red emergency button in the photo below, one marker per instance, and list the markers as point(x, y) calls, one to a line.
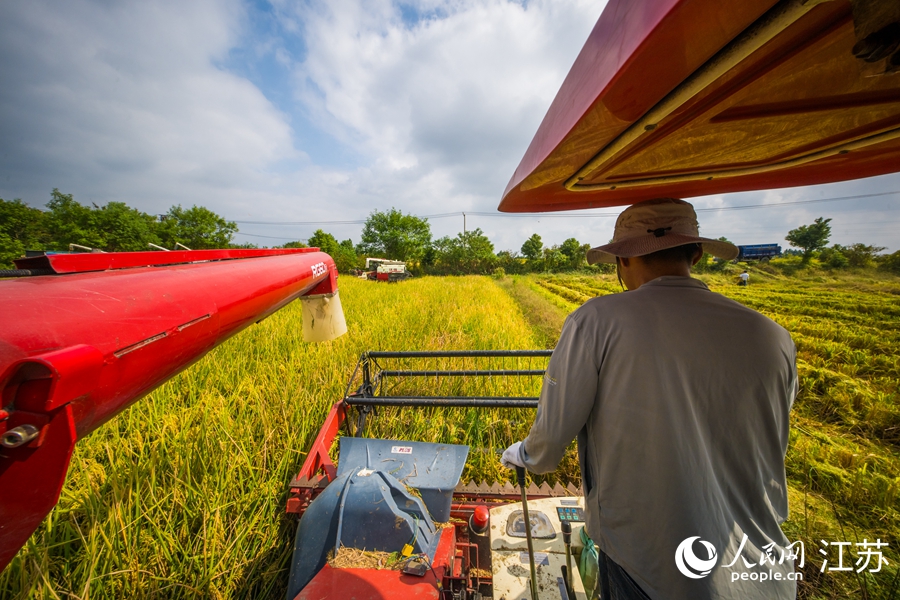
point(480, 518)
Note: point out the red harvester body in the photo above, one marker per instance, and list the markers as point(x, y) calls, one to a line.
point(79, 346)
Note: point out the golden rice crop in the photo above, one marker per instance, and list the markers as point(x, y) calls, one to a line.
point(183, 494)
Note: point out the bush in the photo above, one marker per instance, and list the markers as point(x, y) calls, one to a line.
point(890, 263)
point(499, 273)
point(833, 258)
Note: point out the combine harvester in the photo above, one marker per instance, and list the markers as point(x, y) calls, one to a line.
point(668, 98)
point(383, 269)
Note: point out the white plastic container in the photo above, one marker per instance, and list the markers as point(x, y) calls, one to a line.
point(323, 317)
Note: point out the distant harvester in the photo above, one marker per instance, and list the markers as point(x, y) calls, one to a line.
point(758, 251)
point(382, 269)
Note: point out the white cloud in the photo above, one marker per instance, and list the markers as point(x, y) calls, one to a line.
point(123, 101)
point(435, 101)
point(456, 98)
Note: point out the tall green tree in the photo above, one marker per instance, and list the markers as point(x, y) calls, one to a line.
point(393, 235)
point(121, 228)
point(196, 227)
point(69, 222)
point(21, 228)
point(469, 252)
point(532, 247)
point(575, 253)
point(810, 238)
point(554, 260)
point(343, 253)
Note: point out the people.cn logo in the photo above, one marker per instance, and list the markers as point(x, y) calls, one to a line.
point(689, 563)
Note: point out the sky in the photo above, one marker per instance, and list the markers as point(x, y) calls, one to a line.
point(287, 117)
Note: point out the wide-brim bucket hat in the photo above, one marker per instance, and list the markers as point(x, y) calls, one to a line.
point(654, 225)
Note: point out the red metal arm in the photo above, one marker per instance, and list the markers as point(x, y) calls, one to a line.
point(77, 349)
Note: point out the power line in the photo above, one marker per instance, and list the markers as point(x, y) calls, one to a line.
point(271, 237)
point(570, 215)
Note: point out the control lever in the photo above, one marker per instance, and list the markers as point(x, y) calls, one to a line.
point(520, 475)
point(566, 528)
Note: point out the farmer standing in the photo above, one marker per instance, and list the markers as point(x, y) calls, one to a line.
point(745, 278)
point(679, 398)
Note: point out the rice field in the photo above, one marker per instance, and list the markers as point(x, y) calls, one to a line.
point(182, 496)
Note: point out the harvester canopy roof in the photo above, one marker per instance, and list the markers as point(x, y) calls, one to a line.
point(682, 98)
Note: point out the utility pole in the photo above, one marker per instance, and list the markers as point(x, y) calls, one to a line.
point(464, 223)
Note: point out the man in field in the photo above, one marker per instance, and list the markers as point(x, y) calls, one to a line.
point(679, 398)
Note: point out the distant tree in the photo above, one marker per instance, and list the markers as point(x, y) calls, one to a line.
point(196, 227)
point(244, 246)
point(10, 250)
point(860, 255)
point(391, 234)
point(349, 258)
point(810, 238)
point(69, 222)
point(120, 228)
point(323, 241)
point(343, 253)
point(554, 260)
point(297, 244)
point(21, 228)
point(469, 252)
point(575, 253)
point(890, 262)
point(510, 262)
point(532, 247)
point(833, 257)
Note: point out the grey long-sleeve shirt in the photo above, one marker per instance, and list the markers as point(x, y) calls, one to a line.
point(679, 398)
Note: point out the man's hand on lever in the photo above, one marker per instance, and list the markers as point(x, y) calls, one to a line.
point(510, 458)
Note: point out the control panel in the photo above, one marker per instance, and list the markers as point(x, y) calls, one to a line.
point(572, 514)
point(509, 547)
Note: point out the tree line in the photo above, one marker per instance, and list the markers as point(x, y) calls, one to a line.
point(391, 234)
point(115, 227)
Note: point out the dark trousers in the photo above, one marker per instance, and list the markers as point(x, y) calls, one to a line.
point(615, 583)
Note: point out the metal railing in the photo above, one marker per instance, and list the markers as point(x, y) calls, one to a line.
point(396, 387)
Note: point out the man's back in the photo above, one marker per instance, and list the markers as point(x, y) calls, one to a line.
point(685, 433)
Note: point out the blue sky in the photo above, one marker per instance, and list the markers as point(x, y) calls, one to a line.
point(283, 115)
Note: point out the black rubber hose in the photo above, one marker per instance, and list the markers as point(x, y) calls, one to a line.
point(25, 272)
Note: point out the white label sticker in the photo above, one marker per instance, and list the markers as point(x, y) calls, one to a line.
point(401, 449)
point(540, 558)
point(319, 269)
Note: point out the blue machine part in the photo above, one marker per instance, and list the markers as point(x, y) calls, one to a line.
point(432, 469)
point(367, 507)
